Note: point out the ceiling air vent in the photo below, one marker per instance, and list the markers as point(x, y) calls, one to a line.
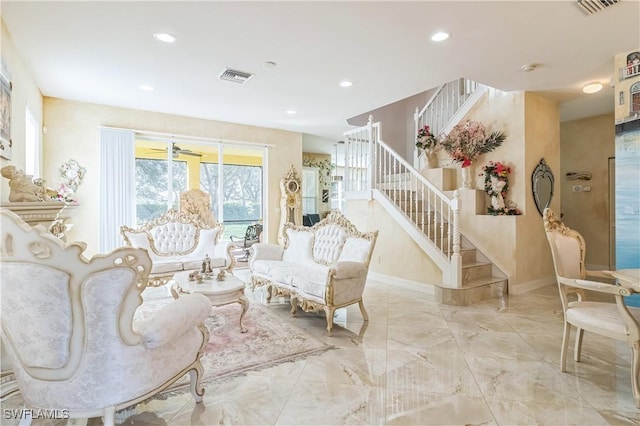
point(593, 6)
point(235, 75)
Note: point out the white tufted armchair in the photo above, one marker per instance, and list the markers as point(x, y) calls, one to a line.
point(67, 325)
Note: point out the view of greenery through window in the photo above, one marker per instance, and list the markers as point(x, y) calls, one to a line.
point(152, 185)
point(241, 197)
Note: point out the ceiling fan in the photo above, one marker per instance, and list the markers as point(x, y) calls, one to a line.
point(176, 151)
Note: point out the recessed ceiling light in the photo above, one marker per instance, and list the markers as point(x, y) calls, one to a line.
point(147, 88)
point(440, 36)
point(528, 67)
point(592, 88)
point(346, 83)
point(165, 37)
point(291, 111)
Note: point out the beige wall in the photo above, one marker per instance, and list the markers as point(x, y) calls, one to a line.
point(398, 123)
point(531, 125)
point(587, 145)
point(395, 254)
point(542, 140)
point(72, 132)
point(25, 94)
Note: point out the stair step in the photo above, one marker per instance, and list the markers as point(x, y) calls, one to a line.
point(476, 270)
point(484, 281)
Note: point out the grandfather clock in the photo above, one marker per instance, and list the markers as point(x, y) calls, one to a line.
point(290, 201)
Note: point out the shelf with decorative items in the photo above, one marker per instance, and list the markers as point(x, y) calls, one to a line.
point(37, 204)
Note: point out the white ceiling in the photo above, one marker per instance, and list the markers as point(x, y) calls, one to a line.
point(101, 52)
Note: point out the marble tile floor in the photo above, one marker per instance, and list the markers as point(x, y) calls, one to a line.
point(419, 363)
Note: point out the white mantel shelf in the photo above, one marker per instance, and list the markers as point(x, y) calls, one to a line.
point(41, 212)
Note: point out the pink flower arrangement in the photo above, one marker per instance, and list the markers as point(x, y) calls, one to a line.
point(427, 141)
point(468, 140)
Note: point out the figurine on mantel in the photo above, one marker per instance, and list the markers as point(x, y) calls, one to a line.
point(23, 188)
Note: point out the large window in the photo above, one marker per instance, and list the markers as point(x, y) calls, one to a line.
point(241, 194)
point(232, 175)
point(155, 191)
point(309, 190)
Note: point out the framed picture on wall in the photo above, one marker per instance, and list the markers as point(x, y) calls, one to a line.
point(6, 144)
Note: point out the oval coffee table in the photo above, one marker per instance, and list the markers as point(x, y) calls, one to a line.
point(220, 293)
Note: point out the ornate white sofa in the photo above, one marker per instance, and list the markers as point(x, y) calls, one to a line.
point(69, 331)
point(179, 242)
point(323, 267)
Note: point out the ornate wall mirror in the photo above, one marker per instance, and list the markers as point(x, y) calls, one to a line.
point(542, 186)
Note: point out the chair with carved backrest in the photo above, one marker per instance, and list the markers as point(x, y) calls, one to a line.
point(252, 236)
point(615, 320)
point(69, 330)
point(198, 202)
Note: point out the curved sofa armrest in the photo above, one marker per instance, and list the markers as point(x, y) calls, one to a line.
point(175, 319)
point(344, 270)
point(266, 251)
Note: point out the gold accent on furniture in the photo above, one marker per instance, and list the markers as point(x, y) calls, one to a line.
point(290, 201)
point(323, 267)
point(69, 331)
point(179, 242)
point(615, 320)
point(198, 202)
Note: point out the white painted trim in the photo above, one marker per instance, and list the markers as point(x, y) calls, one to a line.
point(416, 235)
point(402, 283)
point(464, 109)
point(531, 285)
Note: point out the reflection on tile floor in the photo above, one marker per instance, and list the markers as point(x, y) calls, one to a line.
point(418, 363)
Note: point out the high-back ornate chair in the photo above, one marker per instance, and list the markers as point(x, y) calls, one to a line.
point(68, 328)
point(615, 320)
point(197, 201)
point(251, 236)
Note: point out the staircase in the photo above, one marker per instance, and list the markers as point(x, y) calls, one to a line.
point(428, 213)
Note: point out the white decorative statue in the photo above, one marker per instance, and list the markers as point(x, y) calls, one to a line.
point(497, 201)
point(22, 186)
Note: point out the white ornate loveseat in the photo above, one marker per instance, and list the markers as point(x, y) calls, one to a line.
point(179, 242)
point(323, 267)
point(69, 331)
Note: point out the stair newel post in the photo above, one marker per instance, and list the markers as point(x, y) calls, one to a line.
point(456, 258)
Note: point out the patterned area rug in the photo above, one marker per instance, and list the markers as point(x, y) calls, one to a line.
point(270, 340)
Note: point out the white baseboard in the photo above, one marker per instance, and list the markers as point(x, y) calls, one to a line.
point(531, 285)
point(400, 282)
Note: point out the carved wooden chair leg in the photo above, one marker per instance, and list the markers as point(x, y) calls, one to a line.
point(294, 305)
point(565, 347)
point(578, 347)
point(635, 372)
point(196, 388)
point(363, 311)
point(329, 311)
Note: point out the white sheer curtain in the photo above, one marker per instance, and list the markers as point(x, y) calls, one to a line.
point(117, 186)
